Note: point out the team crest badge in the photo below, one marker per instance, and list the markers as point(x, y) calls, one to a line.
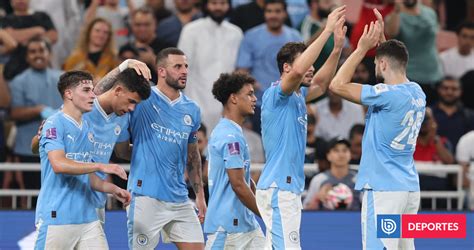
point(294, 237)
point(142, 239)
point(117, 130)
point(187, 120)
point(90, 136)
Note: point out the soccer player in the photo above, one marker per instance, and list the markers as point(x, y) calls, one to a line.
point(387, 174)
point(65, 216)
point(284, 131)
point(109, 117)
point(231, 222)
point(163, 130)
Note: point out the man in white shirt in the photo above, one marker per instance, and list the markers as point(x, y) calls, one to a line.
point(336, 117)
point(459, 60)
point(211, 44)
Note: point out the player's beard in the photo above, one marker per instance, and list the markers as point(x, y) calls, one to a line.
point(174, 83)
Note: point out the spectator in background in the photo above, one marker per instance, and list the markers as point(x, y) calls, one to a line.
point(4, 105)
point(365, 17)
point(459, 60)
point(364, 72)
point(169, 29)
point(430, 147)
point(258, 50)
point(315, 151)
point(250, 15)
point(34, 98)
point(465, 155)
point(355, 138)
point(7, 45)
point(211, 44)
point(143, 25)
point(67, 19)
point(128, 52)
point(95, 51)
point(417, 26)
point(467, 87)
point(114, 14)
point(159, 9)
point(314, 23)
point(339, 155)
point(454, 120)
point(336, 117)
point(23, 25)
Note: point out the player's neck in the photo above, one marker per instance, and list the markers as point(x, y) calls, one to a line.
point(104, 103)
point(72, 111)
point(234, 116)
point(395, 78)
point(168, 91)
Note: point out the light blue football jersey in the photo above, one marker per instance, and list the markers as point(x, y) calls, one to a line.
point(227, 149)
point(161, 130)
point(64, 199)
point(107, 130)
point(393, 121)
point(284, 124)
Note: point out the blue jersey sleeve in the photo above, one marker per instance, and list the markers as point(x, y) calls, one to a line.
point(244, 57)
point(275, 96)
point(197, 124)
point(233, 152)
point(52, 136)
point(378, 95)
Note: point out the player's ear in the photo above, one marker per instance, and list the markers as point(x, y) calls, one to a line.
point(68, 94)
point(286, 67)
point(233, 98)
point(118, 89)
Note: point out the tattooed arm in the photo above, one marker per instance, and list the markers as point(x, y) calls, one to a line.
point(194, 168)
point(108, 81)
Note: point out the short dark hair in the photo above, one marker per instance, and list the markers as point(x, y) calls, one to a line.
point(283, 2)
point(465, 25)
point(134, 83)
point(72, 79)
point(288, 53)
point(144, 10)
point(228, 84)
point(394, 50)
point(357, 129)
point(447, 78)
point(129, 47)
point(163, 55)
point(39, 39)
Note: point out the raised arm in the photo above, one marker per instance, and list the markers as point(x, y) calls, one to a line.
point(393, 20)
point(242, 189)
point(108, 80)
point(291, 81)
point(341, 84)
point(323, 77)
point(194, 168)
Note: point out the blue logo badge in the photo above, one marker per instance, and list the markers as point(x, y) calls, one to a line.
point(388, 226)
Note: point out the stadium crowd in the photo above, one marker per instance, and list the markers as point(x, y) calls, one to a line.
point(41, 39)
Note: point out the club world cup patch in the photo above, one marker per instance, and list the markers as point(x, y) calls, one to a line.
point(187, 120)
point(234, 148)
point(51, 133)
point(379, 88)
point(142, 240)
point(117, 130)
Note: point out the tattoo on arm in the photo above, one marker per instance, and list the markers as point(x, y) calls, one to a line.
point(194, 167)
point(105, 84)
